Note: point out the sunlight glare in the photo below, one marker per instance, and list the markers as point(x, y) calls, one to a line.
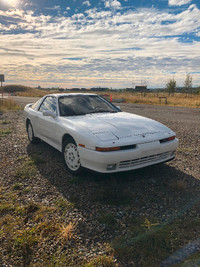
point(12, 3)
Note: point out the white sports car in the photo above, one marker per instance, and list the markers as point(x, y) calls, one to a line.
point(91, 132)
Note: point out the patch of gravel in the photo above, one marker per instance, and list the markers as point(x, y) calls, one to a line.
point(160, 191)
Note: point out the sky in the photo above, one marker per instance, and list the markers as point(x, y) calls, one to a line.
point(99, 43)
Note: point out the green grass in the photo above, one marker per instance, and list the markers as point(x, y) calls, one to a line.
point(150, 242)
point(101, 261)
point(28, 168)
point(25, 172)
point(36, 159)
point(17, 186)
point(26, 229)
point(108, 220)
point(5, 122)
point(63, 205)
point(4, 132)
point(6, 207)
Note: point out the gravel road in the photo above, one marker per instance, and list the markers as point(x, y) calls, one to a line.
point(161, 191)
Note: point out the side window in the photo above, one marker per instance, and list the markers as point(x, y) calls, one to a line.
point(49, 104)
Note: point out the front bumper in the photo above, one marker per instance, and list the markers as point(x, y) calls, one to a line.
point(123, 160)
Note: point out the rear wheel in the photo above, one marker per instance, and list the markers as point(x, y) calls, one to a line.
point(30, 133)
point(71, 156)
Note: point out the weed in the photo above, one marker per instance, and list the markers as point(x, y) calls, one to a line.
point(149, 247)
point(22, 157)
point(58, 259)
point(32, 207)
point(5, 122)
point(8, 104)
point(63, 205)
point(8, 225)
point(24, 241)
point(27, 189)
point(25, 238)
point(145, 248)
point(36, 159)
point(7, 196)
point(47, 229)
point(4, 132)
point(6, 208)
point(147, 224)
point(108, 220)
point(25, 173)
point(26, 228)
point(103, 261)
point(27, 170)
point(44, 212)
point(66, 232)
point(17, 186)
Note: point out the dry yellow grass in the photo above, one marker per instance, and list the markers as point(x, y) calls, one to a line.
point(150, 98)
point(8, 104)
point(178, 99)
point(66, 232)
point(33, 93)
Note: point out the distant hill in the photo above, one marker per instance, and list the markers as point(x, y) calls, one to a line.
point(16, 88)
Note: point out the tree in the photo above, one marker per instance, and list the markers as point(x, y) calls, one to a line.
point(171, 86)
point(188, 84)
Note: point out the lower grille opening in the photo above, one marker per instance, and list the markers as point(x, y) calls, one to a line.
point(143, 160)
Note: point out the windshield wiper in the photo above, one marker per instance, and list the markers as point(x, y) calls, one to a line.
point(73, 114)
point(98, 111)
point(104, 111)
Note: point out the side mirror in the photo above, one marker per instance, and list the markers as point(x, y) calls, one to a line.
point(49, 114)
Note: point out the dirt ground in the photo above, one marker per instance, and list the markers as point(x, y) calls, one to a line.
point(164, 192)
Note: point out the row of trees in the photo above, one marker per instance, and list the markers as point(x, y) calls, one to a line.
point(171, 85)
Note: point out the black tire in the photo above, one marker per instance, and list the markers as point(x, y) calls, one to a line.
point(30, 132)
point(71, 156)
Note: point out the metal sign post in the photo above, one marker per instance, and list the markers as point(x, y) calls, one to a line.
point(2, 79)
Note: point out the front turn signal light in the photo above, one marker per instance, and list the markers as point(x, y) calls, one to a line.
point(107, 149)
point(168, 139)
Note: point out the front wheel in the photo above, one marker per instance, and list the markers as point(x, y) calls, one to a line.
point(71, 156)
point(30, 133)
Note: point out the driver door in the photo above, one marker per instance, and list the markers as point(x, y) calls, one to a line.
point(47, 125)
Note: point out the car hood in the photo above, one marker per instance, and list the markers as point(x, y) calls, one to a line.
point(115, 126)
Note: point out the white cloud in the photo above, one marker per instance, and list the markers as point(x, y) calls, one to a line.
point(87, 3)
point(12, 13)
point(178, 2)
point(112, 4)
point(114, 47)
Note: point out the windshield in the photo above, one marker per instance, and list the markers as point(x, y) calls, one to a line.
point(74, 105)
